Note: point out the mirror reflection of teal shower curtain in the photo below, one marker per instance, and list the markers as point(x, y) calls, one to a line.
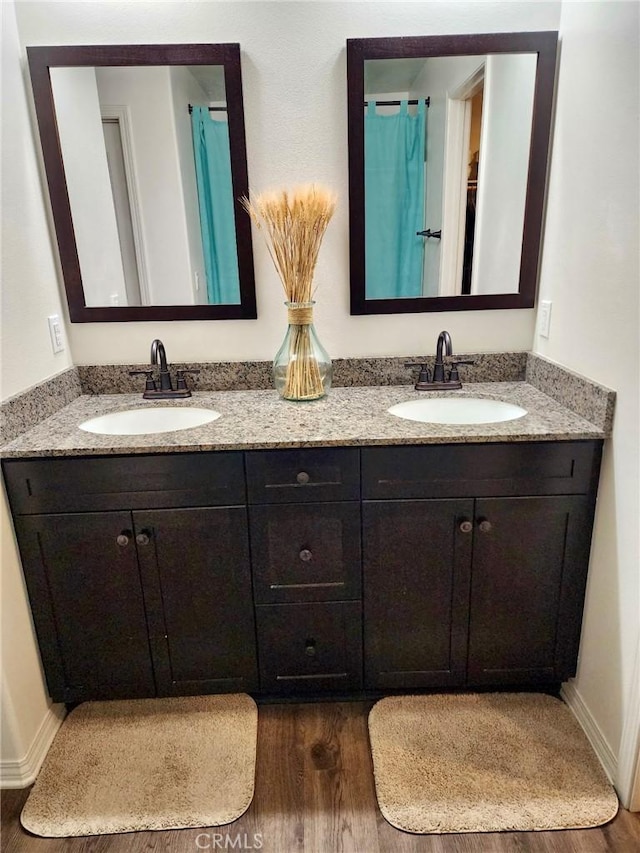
point(215, 200)
point(394, 147)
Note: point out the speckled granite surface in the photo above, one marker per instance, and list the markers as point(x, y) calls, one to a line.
point(586, 398)
point(487, 367)
point(213, 376)
point(259, 419)
point(256, 375)
point(21, 412)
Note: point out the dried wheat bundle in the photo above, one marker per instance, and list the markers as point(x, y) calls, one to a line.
point(294, 224)
point(303, 380)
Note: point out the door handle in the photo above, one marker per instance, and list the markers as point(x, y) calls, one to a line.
point(122, 539)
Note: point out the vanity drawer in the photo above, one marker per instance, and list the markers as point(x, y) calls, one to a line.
point(309, 474)
point(454, 470)
point(308, 648)
point(124, 482)
point(305, 552)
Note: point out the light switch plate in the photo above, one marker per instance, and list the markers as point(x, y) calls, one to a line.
point(544, 319)
point(55, 330)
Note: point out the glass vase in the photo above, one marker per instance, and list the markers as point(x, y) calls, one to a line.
point(301, 368)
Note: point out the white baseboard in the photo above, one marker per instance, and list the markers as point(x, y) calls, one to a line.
point(23, 772)
point(592, 730)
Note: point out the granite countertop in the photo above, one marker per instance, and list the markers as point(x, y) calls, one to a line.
point(260, 419)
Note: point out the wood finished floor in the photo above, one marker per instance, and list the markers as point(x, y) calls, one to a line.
point(315, 794)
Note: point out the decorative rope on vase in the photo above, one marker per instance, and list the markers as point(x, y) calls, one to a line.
point(293, 224)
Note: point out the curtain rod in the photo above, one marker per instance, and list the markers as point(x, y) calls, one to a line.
point(211, 109)
point(396, 103)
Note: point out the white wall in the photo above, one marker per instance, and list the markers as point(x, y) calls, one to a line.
point(186, 90)
point(75, 93)
point(295, 99)
point(146, 92)
point(29, 262)
point(507, 112)
point(29, 294)
point(590, 271)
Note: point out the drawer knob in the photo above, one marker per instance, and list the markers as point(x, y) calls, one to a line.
point(303, 478)
point(484, 525)
point(466, 527)
point(143, 538)
point(310, 648)
point(123, 538)
point(305, 555)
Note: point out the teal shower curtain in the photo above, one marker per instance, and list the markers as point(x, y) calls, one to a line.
point(215, 200)
point(394, 151)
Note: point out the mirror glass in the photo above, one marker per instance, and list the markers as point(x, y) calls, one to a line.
point(152, 164)
point(443, 198)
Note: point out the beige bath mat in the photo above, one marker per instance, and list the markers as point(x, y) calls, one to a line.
point(485, 763)
point(147, 764)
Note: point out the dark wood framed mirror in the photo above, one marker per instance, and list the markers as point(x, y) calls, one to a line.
point(145, 158)
point(448, 150)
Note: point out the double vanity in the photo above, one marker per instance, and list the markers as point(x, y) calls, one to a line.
point(327, 548)
point(378, 539)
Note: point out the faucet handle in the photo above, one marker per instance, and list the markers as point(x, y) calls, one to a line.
point(181, 384)
point(423, 377)
point(454, 375)
point(149, 385)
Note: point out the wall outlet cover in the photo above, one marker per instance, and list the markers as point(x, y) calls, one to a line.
point(544, 319)
point(55, 330)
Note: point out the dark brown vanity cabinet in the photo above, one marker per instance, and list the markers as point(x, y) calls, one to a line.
point(475, 590)
point(194, 565)
point(307, 578)
point(416, 599)
point(88, 606)
point(152, 598)
point(307, 571)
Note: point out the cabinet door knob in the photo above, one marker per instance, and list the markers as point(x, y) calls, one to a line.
point(466, 526)
point(123, 538)
point(305, 555)
point(310, 648)
point(303, 478)
point(143, 538)
point(484, 525)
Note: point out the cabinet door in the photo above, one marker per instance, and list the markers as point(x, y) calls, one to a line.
point(529, 570)
point(197, 586)
point(86, 597)
point(416, 590)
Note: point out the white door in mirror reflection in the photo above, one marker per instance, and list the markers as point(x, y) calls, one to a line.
point(133, 189)
point(471, 184)
point(122, 202)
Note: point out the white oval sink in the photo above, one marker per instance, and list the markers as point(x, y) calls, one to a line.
point(457, 410)
point(147, 421)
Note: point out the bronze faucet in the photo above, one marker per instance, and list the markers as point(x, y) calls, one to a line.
point(158, 352)
point(166, 390)
point(444, 339)
point(440, 381)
